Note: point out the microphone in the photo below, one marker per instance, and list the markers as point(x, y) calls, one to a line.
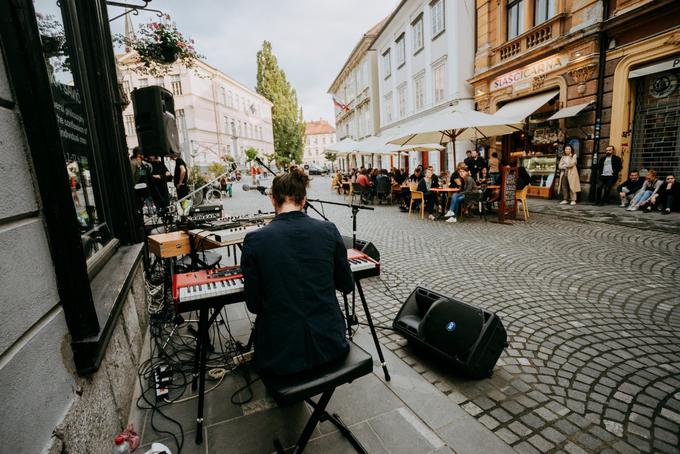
point(262, 189)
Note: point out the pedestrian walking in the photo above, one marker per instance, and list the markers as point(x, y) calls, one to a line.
point(607, 175)
point(569, 184)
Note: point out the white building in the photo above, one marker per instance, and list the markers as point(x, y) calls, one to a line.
point(216, 115)
point(355, 93)
point(318, 135)
point(426, 52)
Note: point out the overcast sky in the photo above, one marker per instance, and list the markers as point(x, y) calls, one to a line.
point(310, 38)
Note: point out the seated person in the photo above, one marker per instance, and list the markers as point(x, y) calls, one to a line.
point(469, 186)
point(667, 198)
point(292, 269)
point(456, 181)
point(649, 188)
point(428, 182)
point(383, 183)
point(336, 181)
point(417, 175)
point(444, 178)
point(365, 183)
point(483, 176)
point(629, 188)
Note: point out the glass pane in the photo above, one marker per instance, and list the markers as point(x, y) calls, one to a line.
point(552, 8)
point(512, 22)
point(74, 127)
point(540, 11)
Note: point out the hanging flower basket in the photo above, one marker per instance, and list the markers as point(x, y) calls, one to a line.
point(159, 45)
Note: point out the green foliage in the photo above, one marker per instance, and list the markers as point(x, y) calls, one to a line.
point(196, 177)
point(216, 169)
point(330, 156)
point(282, 161)
point(227, 158)
point(287, 120)
point(251, 154)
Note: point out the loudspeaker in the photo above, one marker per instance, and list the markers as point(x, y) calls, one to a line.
point(366, 247)
point(155, 122)
point(468, 337)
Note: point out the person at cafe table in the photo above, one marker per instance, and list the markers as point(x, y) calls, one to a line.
point(428, 182)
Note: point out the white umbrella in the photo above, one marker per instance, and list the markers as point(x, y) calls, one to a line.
point(344, 146)
point(376, 144)
point(452, 124)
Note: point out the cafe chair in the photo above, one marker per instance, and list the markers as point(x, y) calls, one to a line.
point(383, 190)
point(287, 390)
point(417, 195)
point(521, 197)
point(358, 190)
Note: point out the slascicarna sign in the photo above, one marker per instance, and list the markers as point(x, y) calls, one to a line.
point(528, 72)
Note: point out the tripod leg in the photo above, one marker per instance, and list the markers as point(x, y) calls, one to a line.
point(203, 335)
point(373, 333)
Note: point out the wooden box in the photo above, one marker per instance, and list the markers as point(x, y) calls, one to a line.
point(173, 244)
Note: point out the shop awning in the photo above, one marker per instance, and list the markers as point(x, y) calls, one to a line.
point(673, 63)
point(569, 111)
point(518, 110)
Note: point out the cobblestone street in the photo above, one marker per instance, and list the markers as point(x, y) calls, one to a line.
point(592, 312)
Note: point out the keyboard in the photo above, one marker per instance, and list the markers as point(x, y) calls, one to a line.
point(198, 289)
point(362, 265)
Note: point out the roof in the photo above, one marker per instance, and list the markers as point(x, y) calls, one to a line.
point(318, 127)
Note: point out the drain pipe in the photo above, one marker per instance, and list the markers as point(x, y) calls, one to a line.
point(603, 44)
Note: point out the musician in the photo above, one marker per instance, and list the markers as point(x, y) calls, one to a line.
point(292, 268)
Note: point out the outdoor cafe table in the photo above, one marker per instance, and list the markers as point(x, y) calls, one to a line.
point(445, 194)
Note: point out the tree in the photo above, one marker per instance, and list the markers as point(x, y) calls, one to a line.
point(216, 169)
point(251, 154)
point(287, 120)
point(330, 157)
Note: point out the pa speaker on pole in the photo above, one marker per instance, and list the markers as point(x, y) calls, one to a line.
point(155, 121)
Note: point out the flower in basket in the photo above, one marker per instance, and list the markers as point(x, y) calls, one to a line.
point(159, 45)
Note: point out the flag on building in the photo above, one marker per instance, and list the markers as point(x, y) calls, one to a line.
point(339, 107)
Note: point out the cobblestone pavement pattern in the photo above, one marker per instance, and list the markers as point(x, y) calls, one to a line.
point(592, 312)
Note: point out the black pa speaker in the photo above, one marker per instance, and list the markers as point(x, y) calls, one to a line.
point(155, 122)
point(469, 337)
point(366, 247)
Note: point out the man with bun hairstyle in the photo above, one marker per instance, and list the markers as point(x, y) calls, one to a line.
point(292, 269)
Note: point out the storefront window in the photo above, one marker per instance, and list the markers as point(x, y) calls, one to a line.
point(74, 126)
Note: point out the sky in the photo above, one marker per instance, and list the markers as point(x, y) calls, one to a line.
point(310, 38)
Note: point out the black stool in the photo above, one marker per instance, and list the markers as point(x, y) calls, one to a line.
point(288, 390)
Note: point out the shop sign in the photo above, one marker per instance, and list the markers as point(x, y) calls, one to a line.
point(527, 73)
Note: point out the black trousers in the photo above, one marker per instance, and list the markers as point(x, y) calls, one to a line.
point(604, 186)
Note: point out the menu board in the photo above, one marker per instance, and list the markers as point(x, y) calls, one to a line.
point(508, 204)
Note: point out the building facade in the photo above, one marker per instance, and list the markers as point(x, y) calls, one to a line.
point(568, 69)
point(216, 115)
point(72, 299)
point(641, 84)
point(318, 134)
point(355, 93)
point(425, 58)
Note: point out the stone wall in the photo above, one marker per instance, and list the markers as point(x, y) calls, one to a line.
point(42, 394)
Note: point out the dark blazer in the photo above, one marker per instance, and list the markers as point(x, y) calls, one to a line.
point(617, 165)
point(422, 186)
point(292, 268)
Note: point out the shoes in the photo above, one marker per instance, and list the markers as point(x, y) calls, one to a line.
point(431, 217)
point(449, 214)
point(633, 209)
point(666, 211)
point(563, 202)
point(451, 220)
point(623, 205)
point(573, 202)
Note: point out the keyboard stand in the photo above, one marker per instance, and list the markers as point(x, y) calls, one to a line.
point(352, 319)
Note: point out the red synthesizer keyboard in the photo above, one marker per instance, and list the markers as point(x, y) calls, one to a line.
point(190, 289)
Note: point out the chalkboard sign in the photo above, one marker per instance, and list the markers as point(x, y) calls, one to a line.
point(508, 204)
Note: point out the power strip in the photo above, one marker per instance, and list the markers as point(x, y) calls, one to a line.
point(243, 358)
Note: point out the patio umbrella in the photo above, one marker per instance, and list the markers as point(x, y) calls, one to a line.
point(453, 124)
point(345, 145)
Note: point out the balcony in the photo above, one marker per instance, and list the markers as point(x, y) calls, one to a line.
point(531, 39)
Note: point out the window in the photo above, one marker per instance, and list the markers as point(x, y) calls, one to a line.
point(176, 85)
point(179, 119)
point(419, 91)
point(387, 64)
point(223, 96)
point(437, 13)
point(226, 124)
point(230, 99)
point(388, 108)
point(401, 51)
point(143, 83)
point(401, 99)
point(418, 38)
point(160, 81)
point(126, 87)
point(544, 10)
point(439, 82)
point(515, 18)
point(129, 125)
